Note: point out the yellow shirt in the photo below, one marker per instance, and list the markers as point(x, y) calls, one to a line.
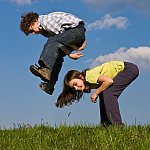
point(109, 69)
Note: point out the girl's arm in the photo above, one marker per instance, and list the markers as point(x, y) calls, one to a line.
point(105, 82)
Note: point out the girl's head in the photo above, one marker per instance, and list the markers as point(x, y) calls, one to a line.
point(75, 80)
point(74, 86)
point(29, 23)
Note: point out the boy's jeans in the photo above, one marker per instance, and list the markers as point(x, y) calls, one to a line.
point(52, 56)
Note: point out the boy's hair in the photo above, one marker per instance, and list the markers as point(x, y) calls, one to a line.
point(27, 20)
point(69, 94)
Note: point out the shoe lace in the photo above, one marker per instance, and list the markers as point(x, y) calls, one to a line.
point(38, 66)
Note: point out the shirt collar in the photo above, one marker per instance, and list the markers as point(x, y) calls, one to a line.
point(39, 20)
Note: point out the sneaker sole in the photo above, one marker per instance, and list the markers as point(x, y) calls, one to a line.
point(42, 87)
point(35, 71)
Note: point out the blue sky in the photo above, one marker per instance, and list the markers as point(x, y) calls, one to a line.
point(115, 30)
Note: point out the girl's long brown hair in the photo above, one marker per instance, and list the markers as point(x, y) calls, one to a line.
point(69, 94)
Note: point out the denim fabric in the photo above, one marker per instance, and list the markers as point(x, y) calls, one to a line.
point(51, 51)
point(109, 107)
point(57, 67)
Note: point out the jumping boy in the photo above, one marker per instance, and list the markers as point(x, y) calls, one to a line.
point(65, 33)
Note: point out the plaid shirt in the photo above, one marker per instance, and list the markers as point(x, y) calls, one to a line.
point(57, 22)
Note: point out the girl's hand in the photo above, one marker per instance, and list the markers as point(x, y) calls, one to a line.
point(94, 97)
point(76, 55)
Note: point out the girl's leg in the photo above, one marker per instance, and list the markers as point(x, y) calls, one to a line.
point(103, 115)
point(110, 95)
point(111, 106)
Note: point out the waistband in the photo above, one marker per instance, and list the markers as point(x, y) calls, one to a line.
point(81, 24)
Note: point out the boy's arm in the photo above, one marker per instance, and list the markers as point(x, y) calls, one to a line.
point(72, 56)
point(83, 46)
point(79, 48)
point(76, 55)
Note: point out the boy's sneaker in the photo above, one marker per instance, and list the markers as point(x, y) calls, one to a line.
point(43, 73)
point(46, 88)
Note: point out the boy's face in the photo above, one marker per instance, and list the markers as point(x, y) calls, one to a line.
point(34, 28)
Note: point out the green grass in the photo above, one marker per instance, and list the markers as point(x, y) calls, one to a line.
point(76, 137)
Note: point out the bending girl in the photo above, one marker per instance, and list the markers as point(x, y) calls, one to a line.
point(109, 80)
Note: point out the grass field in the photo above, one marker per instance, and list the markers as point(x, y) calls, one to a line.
point(76, 137)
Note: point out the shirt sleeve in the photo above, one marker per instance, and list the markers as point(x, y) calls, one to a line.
point(92, 75)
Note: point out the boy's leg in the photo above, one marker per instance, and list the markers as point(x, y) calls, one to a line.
point(47, 60)
point(42, 72)
point(75, 36)
point(79, 48)
point(48, 87)
point(50, 53)
point(72, 37)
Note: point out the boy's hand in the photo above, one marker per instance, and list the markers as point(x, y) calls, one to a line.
point(82, 47)
point(76, 55)
point(74, 47)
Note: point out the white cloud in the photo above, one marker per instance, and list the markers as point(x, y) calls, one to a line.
point(21, 2)
point(29, 2)
point(114, 5)
point(139, 56)
point(107, 21)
